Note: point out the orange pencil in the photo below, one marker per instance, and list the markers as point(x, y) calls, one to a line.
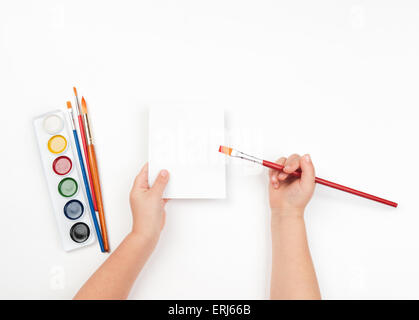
point(95, 174)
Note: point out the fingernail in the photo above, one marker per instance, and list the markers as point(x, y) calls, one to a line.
point(307, 158)
point(276, 185)
point(164, 173)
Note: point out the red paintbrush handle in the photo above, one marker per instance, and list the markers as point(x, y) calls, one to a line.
point(89, 172)
point(276, 166)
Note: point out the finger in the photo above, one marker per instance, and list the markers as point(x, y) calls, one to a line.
point(281, 161)
point(292, 163)
point(163, 221)
point(274, 173)
point(271, 172)
point(282, 176)
point(160, 183)
point(308, 175)
point(141, 181)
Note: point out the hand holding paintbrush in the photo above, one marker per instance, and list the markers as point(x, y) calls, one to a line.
point(277, 166)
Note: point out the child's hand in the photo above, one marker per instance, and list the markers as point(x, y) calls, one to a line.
point(114, 279)
point(147, 205)
point(287, 194)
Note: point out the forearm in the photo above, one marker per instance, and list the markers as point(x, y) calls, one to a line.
point(114, 279)
point(293, 275)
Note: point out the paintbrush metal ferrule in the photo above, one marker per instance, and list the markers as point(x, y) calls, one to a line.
point(71, 116)
point(87, 127)
point(244, 156)
point(76, 100)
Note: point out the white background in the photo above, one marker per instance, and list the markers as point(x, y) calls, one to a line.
point(336, 79)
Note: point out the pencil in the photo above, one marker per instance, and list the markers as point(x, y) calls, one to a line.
point(234, 153)
point(95, 173)
point(86, 182)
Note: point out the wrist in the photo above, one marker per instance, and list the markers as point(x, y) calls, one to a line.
point(145, 234)
point(287, 221)
point(287, 212)
point(143, 241)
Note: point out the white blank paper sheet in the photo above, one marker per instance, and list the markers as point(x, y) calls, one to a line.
point(185, 141)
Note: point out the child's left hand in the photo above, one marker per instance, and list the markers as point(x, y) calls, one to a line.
point(114, 279)
point(147, 205)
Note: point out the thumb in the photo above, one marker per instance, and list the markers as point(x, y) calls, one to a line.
point(160, 183)
point(307, 172)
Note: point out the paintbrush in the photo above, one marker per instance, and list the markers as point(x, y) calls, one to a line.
point(95, 173)
point(238, 154)
point(83, 140)
point(83, 171)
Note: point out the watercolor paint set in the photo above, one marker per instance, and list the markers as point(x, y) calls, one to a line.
point(64, 181)
point(72, 174)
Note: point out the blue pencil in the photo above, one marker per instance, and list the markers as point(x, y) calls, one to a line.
point(86, 182)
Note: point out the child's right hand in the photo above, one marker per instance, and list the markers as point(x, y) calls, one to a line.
point(287, 194)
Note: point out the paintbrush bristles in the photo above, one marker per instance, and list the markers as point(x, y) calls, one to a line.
point(83, 106)
point(68, 104)
point(75, 91)
point(225, 150)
